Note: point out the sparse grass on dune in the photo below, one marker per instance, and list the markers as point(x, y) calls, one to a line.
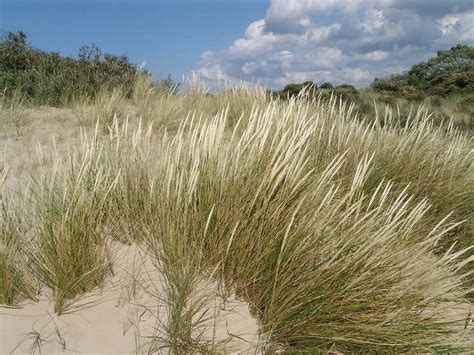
point(166, 108)
point(102, 108)
point(337, 231)
point(13, 111)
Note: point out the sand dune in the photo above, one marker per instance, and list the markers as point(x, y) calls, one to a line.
point(118, 318)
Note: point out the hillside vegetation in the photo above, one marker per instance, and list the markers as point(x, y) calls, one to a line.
point(45, 78)
point(444, 85)
point(450, 72)
point(343, 231)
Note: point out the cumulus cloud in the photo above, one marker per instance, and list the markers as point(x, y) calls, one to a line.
point(349, 41)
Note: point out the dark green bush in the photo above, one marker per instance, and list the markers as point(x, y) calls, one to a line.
point(347, 92)
point(327, 86)
point(450, 72)
point(46, 78)
point(452, 83)
point(455, 60)
point(293, 89)
point(387, 85)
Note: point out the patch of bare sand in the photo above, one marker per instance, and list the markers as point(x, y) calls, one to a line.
point(46, 132)
point(120, 317)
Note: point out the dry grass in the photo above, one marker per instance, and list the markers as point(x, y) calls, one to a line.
point(341, 234)
point(14, 112)
point(16, 281)
point(323, 264)
point(69, 252)
point(101, 109)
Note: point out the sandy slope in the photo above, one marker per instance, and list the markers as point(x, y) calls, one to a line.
point(118, 318)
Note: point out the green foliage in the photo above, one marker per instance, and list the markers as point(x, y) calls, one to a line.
point(413, 79)
point(50, 79)
point(347, 87)
point(452, 83)
point(292, 90)
point(326, 85)
point(450, 72)
point(347, 92)
point(456, 60)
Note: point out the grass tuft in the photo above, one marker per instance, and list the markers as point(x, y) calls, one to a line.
point(70, 252)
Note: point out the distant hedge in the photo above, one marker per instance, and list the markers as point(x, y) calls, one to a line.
point(51, 79)
point(310, 88)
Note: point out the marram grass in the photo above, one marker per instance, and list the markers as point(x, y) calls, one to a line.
point(341, 234)
point(69, 253)
point(324, 265)
point(16, 281)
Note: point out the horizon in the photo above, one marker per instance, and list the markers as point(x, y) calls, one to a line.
point(272, 42)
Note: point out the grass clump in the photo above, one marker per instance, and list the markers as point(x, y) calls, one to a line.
point(70, 253)
point(16, 281)
point(324, 265)
point(129, 154)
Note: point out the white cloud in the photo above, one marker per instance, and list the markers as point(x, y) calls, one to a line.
point(340, 41)
point(355, 75)
point(297, 8)
point(319, 34)
point(377, 55)
point(255, 29)
point(373, 21)
point(447, 24)
point(461, 25)
point(214, 73)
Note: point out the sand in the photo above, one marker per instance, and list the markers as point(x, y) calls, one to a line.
point(118, 318)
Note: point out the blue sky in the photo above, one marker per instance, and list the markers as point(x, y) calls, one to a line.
point(274, 42)
point(170, 35)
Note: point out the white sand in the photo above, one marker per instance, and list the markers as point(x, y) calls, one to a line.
point(116, 320)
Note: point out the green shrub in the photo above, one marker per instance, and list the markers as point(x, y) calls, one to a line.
point(450, 72)
point(326, 85)
point(452, 83)
point(50, 79)
point(292, 90)
point(347, 92)
point(386, 85)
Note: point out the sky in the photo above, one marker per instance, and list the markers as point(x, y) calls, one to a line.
point(273, 42)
